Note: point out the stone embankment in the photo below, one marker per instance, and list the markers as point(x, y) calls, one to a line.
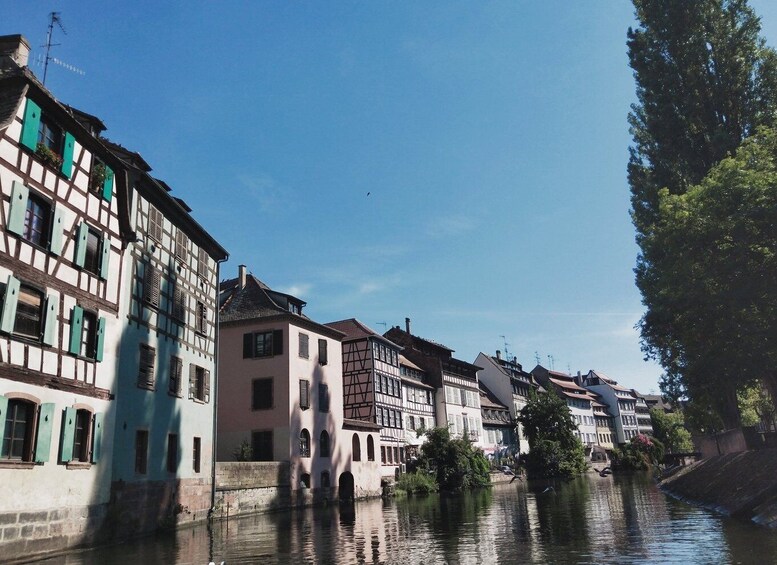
point(741, 485)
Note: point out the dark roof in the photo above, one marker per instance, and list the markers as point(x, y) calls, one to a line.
point(488, 399)
point(11, 95)
point(413, 337)
point(354, 329)
point(360, 425)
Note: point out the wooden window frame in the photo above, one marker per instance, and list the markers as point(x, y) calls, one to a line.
point(146, 367)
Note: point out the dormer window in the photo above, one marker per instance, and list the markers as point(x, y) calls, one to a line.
point(294, 308)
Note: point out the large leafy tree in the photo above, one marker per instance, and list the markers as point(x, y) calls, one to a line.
point(455, 463)
point(669, 429)
point(554, 450)
point(705, 81)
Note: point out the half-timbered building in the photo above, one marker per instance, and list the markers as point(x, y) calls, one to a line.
point(499, 439)
point(372, 387)
point(417, 404)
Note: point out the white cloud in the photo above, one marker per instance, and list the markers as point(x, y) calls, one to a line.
point(300, 290)
point(265, 190)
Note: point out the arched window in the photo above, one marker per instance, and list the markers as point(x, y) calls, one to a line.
point(304, 443)
point(325, 479)
point(323, 444)
point(370, 449)
point(304, 480)
point(356, 447)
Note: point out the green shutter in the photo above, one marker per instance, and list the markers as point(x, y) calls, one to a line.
point(3, 409)
point(68, 435)
point(98, 354)
point(57, 231)
point(45, 427)
point(83, 235)
point(108, 184)
point(31, 125)
point(50, 321)
point(76, 325)
point(97, 437)
point(8, 316)
point(67, 155)
point(106, 257)
point(18, 208)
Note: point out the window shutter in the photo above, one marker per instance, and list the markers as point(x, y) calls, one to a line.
point(323, 358)
point(67, 155)
point(151, 280)
point(106, 257)
point(277, 342)
point(304, 393)
point(97, 437)
point(57, 231)
point(68, 434)
point(45, 427)
point(3, 409)
point(76, 325)
point(108, 184)
point(50, 321)
point(206, 386)
point(248, 346)
point(81, 238)
point(31, 125)
point(8, 316)
point(192, 380)
point(18, 208)
point(323, 397)
point(100, 344)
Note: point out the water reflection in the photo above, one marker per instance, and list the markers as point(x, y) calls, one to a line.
point(589, 520)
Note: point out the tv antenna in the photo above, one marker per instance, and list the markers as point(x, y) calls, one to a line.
point(384, 324)
point(504, 340)
point(54, 18)
point(537, 357)
point(551, 362)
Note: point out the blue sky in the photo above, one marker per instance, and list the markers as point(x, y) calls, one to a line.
point(459, 163)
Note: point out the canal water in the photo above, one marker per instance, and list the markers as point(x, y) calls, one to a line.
point(588, 520)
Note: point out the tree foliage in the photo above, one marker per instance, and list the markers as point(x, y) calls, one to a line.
point(554, 450)
point(705, 82)
point(455, 463)
point(669, 429)
point(640, 454)
point(756, 406)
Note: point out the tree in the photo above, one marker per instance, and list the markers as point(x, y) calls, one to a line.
point(756, 406)
point(640, 454)
point(554, 450)
point(669, 429)
point(705, 81)
point(456, 464)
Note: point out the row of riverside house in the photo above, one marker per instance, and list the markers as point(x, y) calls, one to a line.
point(108, 293)
point(127, 370)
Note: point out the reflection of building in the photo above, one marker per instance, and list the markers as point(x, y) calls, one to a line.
point(621, 402)
point(372, 389)
point(510, 384)
point(456, 382)
point(578, 399)
point(281, 393)
point(417, 403)
point(498, 426)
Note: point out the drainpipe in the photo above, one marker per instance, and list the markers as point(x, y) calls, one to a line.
point(215, 389)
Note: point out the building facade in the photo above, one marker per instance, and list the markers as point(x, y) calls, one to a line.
point(578, 399)
point(620, 401)
point(417, 405)
point(498, 441)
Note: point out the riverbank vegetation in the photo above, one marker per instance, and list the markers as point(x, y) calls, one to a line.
point(554, 449)
point(640, 454)
point(669, 429)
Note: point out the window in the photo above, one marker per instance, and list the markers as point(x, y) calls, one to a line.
point(201, 318)
point(37, 221)
point(176, 372)
point(29, 312)
point(262, 394)
point(304, 480)
point(196, 454)
point(181, 245)
point(141, 452)
point(323, 444)
point(411, 423)
point(325, 482)
point(262, 445)
point(262, 344)
point(151, 280)
point(89, 335)
point(92, 251)
point(323, 397)
point(383, 454)
point(50, 135)
point(378, 388)
point(92, 259)
point(155, 224)
point(51, 143)
point(379, 416)
point(370, 448)
point(83, 424)
point(304, 394)
point(172, 453)
point(304, 443)
point(178, 309)
point(146, 366)
point(356, 448)
point(199, 383)
point(18, 424)
point(81, 430)
point(101, 179)
point(323, 358)
point(303, 345)
point(202, 263)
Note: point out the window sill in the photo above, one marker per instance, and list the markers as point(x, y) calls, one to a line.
point(78, 465)
point(152, 388)
point(12, 464)
point(171, 393)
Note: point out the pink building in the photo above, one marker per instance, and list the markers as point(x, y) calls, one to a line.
point(280, 391)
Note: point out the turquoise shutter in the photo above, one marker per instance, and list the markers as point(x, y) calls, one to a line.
point(76, 325)
point(108, 184)
point(57, 231)
point(106, 257)
point(50, 322)
point(45, 427)
point(97, 436)
point(8, 316)
point(31, 125)
point(67, 155)
point(18, 208)
point(3, 409)
point(98, 355)
point(80, 254)
point(68, 435)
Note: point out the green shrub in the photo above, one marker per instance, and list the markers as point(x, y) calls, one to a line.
point(417, 483)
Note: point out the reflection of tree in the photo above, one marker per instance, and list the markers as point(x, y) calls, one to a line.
point(562, 515)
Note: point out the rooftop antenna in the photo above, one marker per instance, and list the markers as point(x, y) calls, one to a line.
point(537, 357)
point(384, 324)
point(54, 18)
point(504, 339)
point(550, 362)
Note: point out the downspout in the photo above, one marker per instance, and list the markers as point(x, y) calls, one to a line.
point(215, 389)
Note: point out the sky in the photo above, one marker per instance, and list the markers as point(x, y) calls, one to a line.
point(462, 164)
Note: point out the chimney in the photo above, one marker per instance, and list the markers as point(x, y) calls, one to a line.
point(14, 47)
point(498, 355)
point(242, 275)
point(407, 325)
